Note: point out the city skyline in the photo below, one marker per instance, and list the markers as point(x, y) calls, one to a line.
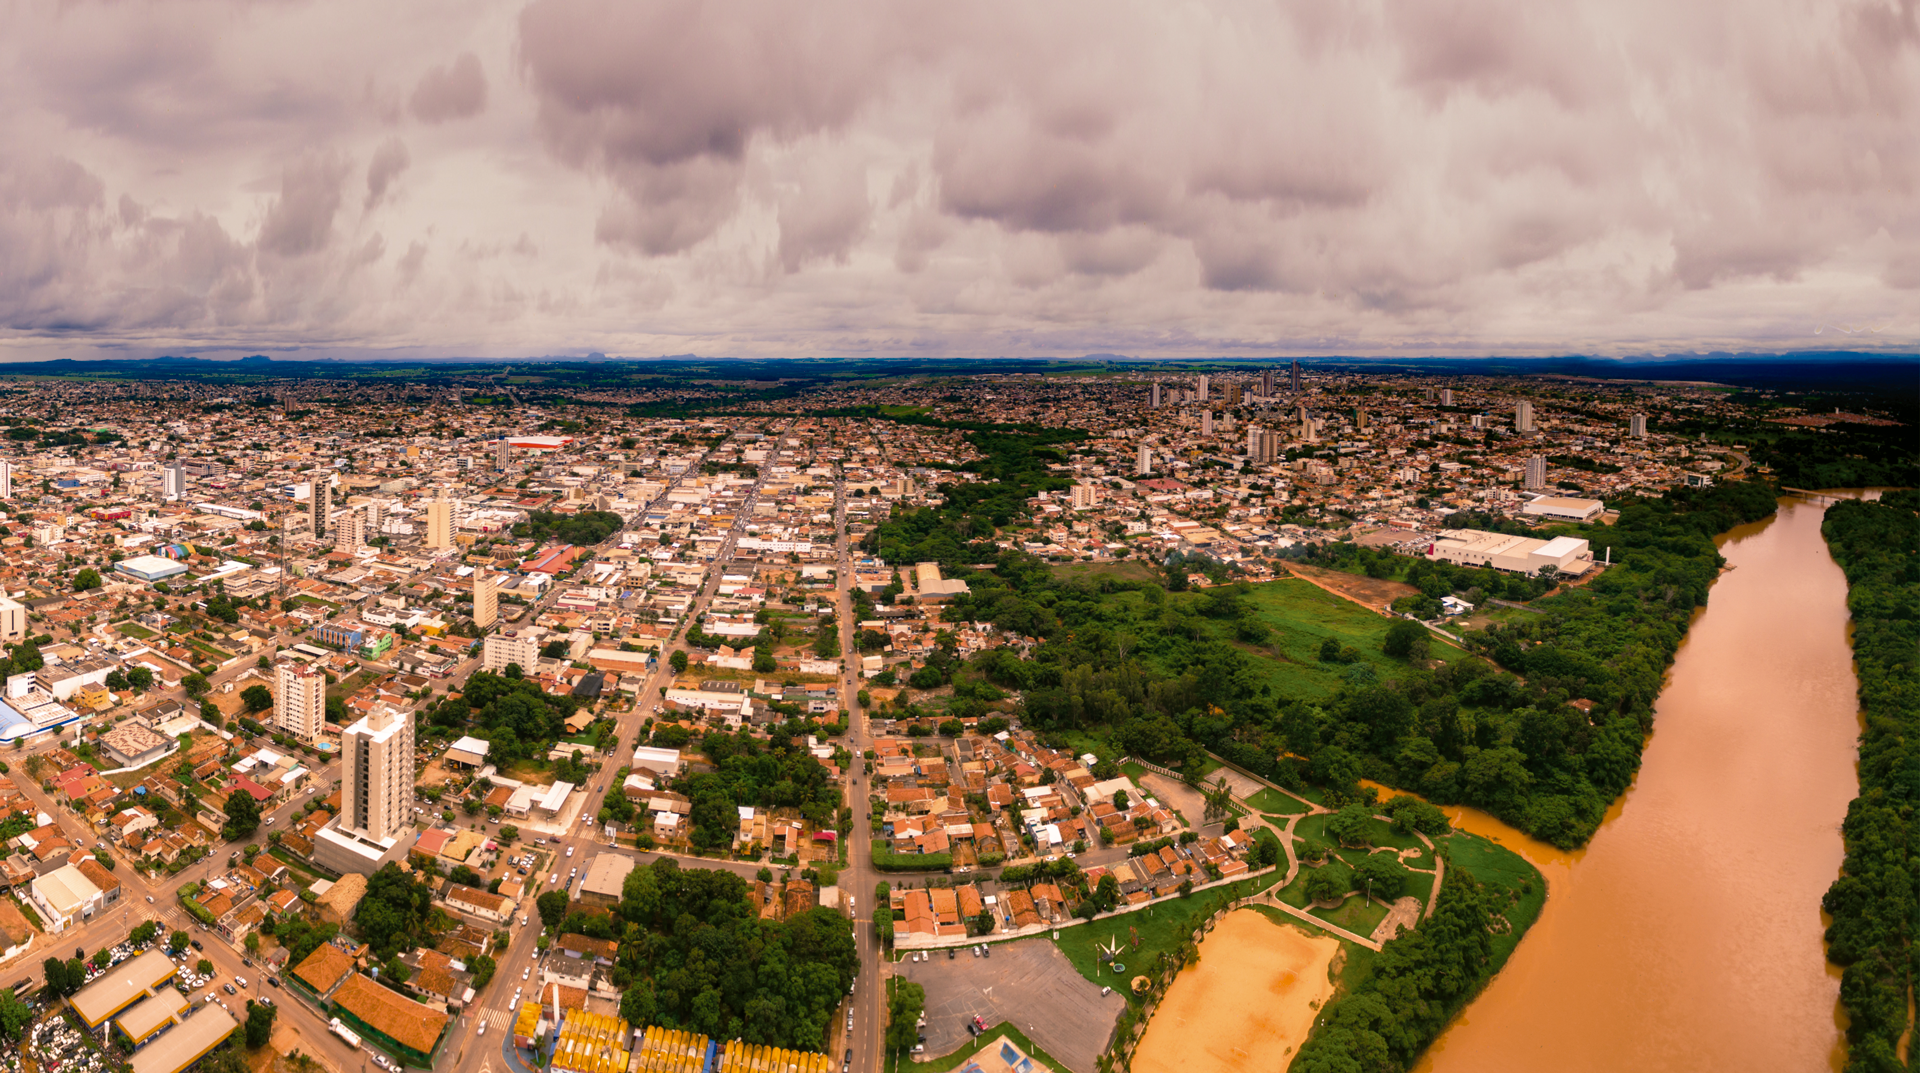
point(567, 176)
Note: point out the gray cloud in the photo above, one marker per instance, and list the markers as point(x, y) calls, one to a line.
point(388, 162)
point(456, 91)
point(300, 221)
point(998, 177)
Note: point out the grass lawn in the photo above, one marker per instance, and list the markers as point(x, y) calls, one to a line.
point(134, 629)
point(1133, 771)
point(1420, 885)
point(1356, 914)
point(991, 1037)
point(1161, 929)
point(1124, 569)
point(1302, 616)
point(1494, 864)
point(1080, 742)
point(1273, 802)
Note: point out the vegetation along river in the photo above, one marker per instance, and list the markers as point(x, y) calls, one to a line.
point(1687, 936)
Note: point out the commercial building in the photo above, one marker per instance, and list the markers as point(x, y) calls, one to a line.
point(64, 897)
point(187, 1042)
point(150, 568)
point(510, 647)
point(1564, 509)
point(374, 794)
point(605, 879)
point(1525, 555)
point(133, 745)
point(300, 701)
point(121, 986)
point(468, 752)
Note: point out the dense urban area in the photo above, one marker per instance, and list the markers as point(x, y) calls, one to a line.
point(603, 719)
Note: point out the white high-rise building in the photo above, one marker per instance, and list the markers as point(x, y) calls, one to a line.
point(502, 649)
point(1144, 465)
point(13, 620)
point(1084, 496)
point(320, 503)
point(1479, 422)
point(173, 482)
point(1446, 396)
point(1523, 416)
point(6, 480)
point(486, 599)
point(1200, 389)
point(378, 785)
point(1206, 422)
point(1154, 397)
point(502, 453)
point(439, 522)
point(1536, 478)
point(1638, 426)
point(300, 701)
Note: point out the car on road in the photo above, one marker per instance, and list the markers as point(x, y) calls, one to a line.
point(228, 988)
point(195, 943)
point(569, 851)
point(273, 981)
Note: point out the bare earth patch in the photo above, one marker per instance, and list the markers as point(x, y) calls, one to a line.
point(1247, 1005)
point(1366, 591)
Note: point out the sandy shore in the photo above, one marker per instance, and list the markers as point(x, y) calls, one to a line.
point(1247, 1005)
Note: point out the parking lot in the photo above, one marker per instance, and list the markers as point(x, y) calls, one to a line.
point(1028, 983)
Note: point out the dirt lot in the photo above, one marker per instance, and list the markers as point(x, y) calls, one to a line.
point(1365, 591)
point(1248, 1003)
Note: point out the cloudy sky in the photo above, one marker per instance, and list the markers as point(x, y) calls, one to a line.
point(849, 177)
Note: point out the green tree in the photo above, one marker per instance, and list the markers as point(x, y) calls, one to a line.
point(552, 907)
point(205, 967)
point(140, 678)
point(178, 941)
point(1401, 638)
point(259, 1025)
point(1349, 825)
point(1327, 882)
point(102, 958)
point(256, 698)
point(195, 684)
point(243, 816)
point(1381, 875)
point(15, 1016)
point(904, 1008)
point(87, 579)
point(678, 661)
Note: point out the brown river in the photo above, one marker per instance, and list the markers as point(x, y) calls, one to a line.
point(1687, 935)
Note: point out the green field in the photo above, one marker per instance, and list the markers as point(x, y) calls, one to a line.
point(1495, 865)
point(1356, 915)
point(1161, 929)
point(1274, 803)
point(1125, 569)
point(1302, 617)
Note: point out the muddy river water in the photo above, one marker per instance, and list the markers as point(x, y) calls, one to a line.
point(1687, 935)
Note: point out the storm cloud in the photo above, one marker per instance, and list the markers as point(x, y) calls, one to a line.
point(852, 176)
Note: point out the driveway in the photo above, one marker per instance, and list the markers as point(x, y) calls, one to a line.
point(1028, 983)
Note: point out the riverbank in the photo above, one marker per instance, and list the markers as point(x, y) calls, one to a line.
point(1685, 934)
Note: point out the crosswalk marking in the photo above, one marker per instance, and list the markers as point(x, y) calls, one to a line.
point(497, 1019)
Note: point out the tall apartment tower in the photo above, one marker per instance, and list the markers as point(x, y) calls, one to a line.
point(1263, 446)
point(173, 482)
point(1294, 380)
point(1154, 397)
point(1266, 381)
point(350, 529)
point(1235, 392)
point(1638, 426)
point(486, 599)
point(1536, 478)
point(1446, 396)
point(1206, 422)
point(502, 454)
point(320, 503)
point(13, 620)
point(1083, 496)
point(502, 649)
point(439, 521)
point(378, 785)
point(6, 480)
point(300, 701)
point(1144, 465)
point(1200, 389)
point(1523, 416)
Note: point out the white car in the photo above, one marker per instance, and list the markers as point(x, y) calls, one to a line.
point(569, 851)
point(524, 973)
